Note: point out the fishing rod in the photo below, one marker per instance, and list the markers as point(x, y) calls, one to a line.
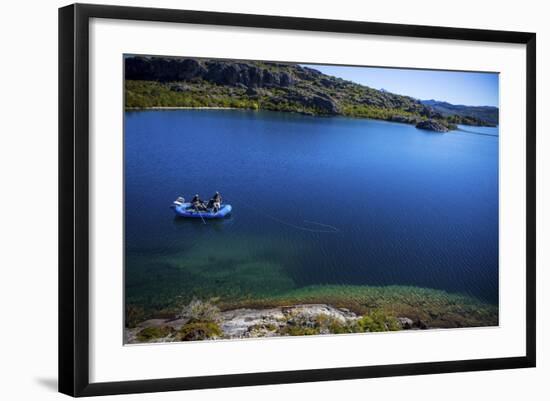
point(202, 218)
point(200, 215)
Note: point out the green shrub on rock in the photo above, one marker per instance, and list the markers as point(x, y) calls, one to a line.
point(200, 311)
point(152, 333)
point(199, 331)
point(299, 331)
point(134, 315)
point(330, 325)
point(378, 321)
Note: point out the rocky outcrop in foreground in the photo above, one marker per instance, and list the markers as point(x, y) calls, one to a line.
point(203, 321)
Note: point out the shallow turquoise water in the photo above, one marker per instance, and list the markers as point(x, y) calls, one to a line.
point(316, 200)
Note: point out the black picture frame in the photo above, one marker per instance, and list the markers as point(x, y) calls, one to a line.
point(74, 198)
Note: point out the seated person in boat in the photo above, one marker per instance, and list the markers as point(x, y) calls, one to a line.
point(215, 202)
point(198, 204)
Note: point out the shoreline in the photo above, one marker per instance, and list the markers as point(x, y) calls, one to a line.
point(204, 321)
point(311, 311)
point(282, 111)
point(437, 308)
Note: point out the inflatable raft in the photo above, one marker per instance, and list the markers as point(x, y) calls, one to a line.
point(185, 210)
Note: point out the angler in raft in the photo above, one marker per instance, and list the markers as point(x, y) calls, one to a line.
point(215, 202)
point(198, 204)
point(197, 208)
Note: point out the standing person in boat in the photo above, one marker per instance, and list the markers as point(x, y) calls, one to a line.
point(198, 204)
point(215, 202)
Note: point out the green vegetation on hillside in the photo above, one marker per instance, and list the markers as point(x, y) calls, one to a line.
point(150, 94)
point(166, 82)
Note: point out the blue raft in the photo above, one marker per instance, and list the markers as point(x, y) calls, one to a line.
point(185, 210)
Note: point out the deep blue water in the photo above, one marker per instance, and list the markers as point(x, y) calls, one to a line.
point(316, 200)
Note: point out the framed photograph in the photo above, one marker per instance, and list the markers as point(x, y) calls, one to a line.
point(250, 199)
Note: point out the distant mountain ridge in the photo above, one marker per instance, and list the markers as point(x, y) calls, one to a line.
point(193, 82)
point(485, 113)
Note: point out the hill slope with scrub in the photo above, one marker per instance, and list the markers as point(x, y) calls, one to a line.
point(157, 82)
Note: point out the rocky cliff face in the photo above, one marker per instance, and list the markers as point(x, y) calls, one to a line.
point(216, 71)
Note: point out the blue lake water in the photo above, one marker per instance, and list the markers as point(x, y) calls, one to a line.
point(316, 200)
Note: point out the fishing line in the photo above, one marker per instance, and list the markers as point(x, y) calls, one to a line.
point(323, 225)
point(330, 229)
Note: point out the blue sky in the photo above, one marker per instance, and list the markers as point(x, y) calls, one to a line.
point(468, 88)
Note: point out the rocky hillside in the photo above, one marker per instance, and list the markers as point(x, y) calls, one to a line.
point(190, 82)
